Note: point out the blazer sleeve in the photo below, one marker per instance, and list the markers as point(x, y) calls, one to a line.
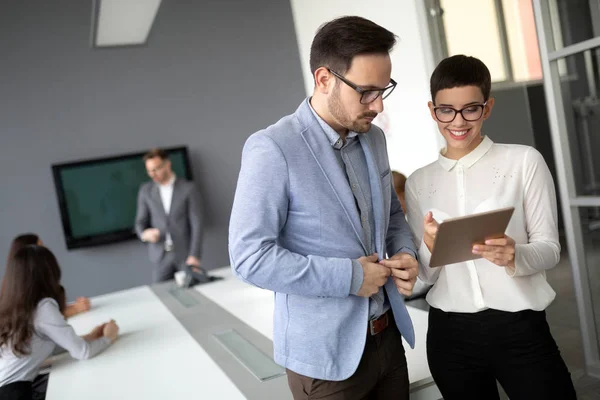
point(259, 213)
point(142, 216)
point(194, 205)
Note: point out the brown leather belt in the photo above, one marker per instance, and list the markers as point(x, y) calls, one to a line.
point(378, 325)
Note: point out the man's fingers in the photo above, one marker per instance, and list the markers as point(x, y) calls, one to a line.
point(373, 257)
point(401, 274)
point(404, 287)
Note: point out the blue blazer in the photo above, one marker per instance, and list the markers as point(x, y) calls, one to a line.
point(295, 228)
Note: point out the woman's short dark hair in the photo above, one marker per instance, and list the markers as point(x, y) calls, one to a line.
point(31, 275)
point(337, 43)
point(460, 71)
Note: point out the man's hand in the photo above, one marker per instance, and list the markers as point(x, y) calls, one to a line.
point(404, 270)
point(151, 235)
point(430, 232)
point(374, 275)
point(499, 251)
point(191, 260)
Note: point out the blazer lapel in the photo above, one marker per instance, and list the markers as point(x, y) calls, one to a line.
point(325, 157)
point(177, 198)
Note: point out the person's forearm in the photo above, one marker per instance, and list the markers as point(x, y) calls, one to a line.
point(88, 338)
point(71, 310)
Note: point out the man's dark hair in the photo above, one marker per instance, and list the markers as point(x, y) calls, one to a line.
point(160, 153)
point(459, 71)
point(337, 43)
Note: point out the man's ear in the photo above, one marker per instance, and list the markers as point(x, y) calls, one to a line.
point(323, 80)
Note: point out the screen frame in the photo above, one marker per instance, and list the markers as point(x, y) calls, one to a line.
point(113, 236)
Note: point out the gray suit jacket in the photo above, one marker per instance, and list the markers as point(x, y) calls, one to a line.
point(184, 221)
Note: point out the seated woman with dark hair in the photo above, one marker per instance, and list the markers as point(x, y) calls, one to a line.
point(32, 322)
point(80, 305)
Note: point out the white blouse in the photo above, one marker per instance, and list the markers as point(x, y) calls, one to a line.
point(492, 176)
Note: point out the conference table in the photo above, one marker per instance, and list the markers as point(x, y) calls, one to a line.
point(212, 341)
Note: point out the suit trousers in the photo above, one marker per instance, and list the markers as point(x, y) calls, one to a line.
point(469, 352)
point(165, 269)
point(382, 374)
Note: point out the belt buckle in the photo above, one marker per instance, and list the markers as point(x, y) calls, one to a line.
point(384, 319)
point(372, 328)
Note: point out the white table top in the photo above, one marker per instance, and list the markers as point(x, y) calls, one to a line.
point(254, 306)
point(155, 357)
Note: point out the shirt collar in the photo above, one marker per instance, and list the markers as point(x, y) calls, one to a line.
point(334, 138)
point(470, 158)
point(170, 182)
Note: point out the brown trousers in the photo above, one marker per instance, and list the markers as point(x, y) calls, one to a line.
point(382, 374)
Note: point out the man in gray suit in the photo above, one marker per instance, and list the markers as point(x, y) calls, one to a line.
point(168, 217)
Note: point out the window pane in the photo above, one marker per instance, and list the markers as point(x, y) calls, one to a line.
point(522, 40)
point(471, 28)
point(580, 89)
point(573, 21)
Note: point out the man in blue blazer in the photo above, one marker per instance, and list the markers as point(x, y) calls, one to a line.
point(314, 217)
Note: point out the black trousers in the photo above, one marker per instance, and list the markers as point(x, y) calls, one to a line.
point(467, 353)
point(16, 391)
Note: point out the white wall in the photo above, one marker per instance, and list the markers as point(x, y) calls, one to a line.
point(413, 139)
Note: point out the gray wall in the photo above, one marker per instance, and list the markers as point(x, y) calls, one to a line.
point(510, 121)
point(520, 116)
point(212, 73)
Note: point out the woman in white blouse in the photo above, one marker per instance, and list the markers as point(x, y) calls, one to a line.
point(32, 323)
point(487, 319)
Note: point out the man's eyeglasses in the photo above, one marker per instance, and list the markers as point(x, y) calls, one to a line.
point(470, 113)
point(157, 168)
point(367, 96)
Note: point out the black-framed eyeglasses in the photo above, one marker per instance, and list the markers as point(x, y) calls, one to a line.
point(157, 168)
point(470, 113)
point(367, 96)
